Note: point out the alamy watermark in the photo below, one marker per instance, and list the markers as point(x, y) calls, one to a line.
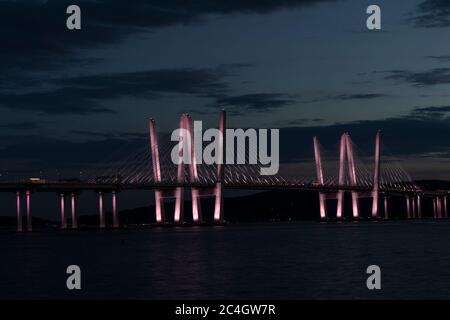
point(249, 146)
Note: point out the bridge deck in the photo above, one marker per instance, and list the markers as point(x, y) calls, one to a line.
point(77, 187)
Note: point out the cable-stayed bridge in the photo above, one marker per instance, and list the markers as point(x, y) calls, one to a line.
point(330, 173)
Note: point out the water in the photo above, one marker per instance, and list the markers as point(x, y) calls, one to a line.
point(254, 261)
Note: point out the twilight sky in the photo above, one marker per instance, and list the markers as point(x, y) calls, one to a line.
point(305, 66)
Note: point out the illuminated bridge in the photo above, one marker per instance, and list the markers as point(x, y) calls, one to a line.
point(330, 175)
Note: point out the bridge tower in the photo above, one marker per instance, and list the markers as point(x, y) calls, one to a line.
point(187, 147)
point(376, 176)
point(177, 192)
point(217, 190)
point(320, 180)
point(346, 157)
point(352, 175)
point(342, 157)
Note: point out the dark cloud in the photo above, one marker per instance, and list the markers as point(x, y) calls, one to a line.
point(433, 13)
point(117, 135)
point(301, 121)
point(85, 94)
point(443, 58)
point(362, 96)
point(413, 135)
point(255, 102)
point(343, 97)
point(38, 28)
point(26, 125)
point(436, 113)
point(425, 78)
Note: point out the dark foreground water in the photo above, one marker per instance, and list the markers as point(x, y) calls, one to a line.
point(273, 261)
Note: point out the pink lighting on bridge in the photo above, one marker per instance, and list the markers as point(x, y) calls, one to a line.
point(445, 207)
point(352, 174)
point(439, 207)
point(342, 157)
point(19, 212)
point(320, 180)
point(218, 206)
point(154, 148)
point(376, 176)
point(419, 207)
point(63, 212)
point(186, 148)
point(74, 211)
point(184, 140)
point(434, 208)
point(114, 210)
point(101, 212)
point(408, 207)
point(28, 204)
point(195, 192)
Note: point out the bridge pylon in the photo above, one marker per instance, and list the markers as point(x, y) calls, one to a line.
point(217, 190)
point(320, 180)
point(376, 176)
point(178, 192)
point(346, 157)
point(187, 150)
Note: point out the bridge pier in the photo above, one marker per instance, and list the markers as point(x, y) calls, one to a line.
point(355, 205)
point(159, 207)
point(179, 201)
point(218, 203)
point(19, 212)
point(196, 206)
point(114, 209)
point(439, 207)
point(434, 208)
point(28, 208)
point(323, 206)
point(74, 211)
point(340, 204)
point(408, 207)
point(386, 213)
point(414, 211)
point(101, 212)
point(63, 211)
point(444, 207)
point(419, 207)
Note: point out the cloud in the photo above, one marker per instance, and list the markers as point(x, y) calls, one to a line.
point(85, 94)
point(426, 78)
point(433, 14)
point(255, 102)
point(361, 96)
point(343, 97)
point(436, 113)
point(301, 121)
point(108, 135)
point(422, 131)
point(443, 58)
point(26, 125)
point(37, 28)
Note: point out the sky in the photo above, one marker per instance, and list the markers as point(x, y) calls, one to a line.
point(69, 98)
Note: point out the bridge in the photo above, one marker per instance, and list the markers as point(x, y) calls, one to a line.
point(154, 170)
